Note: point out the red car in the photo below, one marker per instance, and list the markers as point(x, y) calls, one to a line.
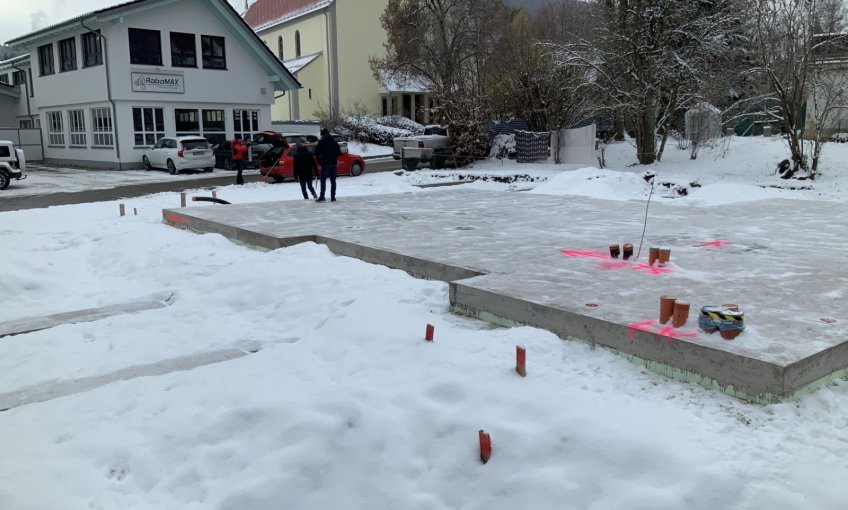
point(278, 163)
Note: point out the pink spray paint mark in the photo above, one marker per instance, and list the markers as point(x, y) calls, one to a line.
point(585, 254)
point(653, 326)
point(641, 326)
point(176, 219)
point(647, 269)
point(714, 244)
point(609, 264)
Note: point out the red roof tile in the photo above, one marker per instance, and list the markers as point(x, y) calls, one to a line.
point(265, 12)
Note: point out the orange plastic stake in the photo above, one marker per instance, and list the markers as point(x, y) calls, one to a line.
point(429, 335)
point(485, 447)
point(521, 360)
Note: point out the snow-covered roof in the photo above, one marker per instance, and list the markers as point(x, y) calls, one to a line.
point(265, 14)
point(397, 82)
point(296, 64)
point(5, 64)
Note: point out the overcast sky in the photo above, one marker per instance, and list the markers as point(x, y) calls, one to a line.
point(20, 17)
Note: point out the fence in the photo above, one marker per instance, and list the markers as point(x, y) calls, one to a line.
point(27, 139)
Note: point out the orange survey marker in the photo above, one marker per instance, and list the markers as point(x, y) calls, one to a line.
point(485, 447)
point(429, 334)
point(521, 360)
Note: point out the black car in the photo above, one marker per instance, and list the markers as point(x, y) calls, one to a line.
point(224, 156)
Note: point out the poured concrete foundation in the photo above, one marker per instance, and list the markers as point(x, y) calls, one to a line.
point(519, 258)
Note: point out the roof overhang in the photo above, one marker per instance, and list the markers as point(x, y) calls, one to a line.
point(277, 72)
point(10, 90)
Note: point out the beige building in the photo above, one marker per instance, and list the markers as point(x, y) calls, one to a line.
point(326, 44)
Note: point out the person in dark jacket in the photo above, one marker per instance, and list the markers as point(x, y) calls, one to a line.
point(328, 151)
point(305, 168)
point(239, 155)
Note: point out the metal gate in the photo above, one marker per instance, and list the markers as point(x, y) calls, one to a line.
point(27, 139)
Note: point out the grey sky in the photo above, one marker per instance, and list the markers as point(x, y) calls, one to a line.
point(21, 17)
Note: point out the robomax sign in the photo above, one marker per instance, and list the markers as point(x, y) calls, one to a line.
point(146, 82)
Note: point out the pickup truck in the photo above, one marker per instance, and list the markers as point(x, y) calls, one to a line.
point(431, 147)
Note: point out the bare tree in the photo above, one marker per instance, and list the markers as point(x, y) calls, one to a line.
point(647, 58)
point(523, 81)
point(784, 36)
point(445, 44)
point(827, 106)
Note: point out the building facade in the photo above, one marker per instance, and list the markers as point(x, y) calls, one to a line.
point(106, 85)
point(326, 44)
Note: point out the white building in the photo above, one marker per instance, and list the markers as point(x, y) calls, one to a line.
point(106, 85)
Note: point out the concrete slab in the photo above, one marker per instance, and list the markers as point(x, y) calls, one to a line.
point(518, 258)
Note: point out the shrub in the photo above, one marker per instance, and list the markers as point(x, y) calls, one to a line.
point(367, 130)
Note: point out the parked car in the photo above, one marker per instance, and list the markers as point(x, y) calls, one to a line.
point(12, 164)
point(278, 163)
point(264, 141)
point(224, 155)
point(293, 138)
point(177, 153)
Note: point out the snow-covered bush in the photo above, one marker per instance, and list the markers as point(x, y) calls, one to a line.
point(367, 130)
point(503, 146)
point(396, 121)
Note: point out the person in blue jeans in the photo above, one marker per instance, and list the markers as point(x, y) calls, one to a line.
point(327, 151)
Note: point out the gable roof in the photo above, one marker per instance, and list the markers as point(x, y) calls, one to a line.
point(267, 13)
point(282, 78)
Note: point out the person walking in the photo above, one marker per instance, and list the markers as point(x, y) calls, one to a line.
point(328, 151)
point(239, 155)
point(305, 169)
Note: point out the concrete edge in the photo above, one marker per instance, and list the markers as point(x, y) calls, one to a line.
point(179, 219)
point(54, 390)
point(33, 324)
point(742, 377)
point(417, 267)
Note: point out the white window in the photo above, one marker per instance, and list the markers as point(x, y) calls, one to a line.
point(245, 123)
point(187, 122)
point(101, 127)
point(56, 132)
point(76, 125)
point(149, 125)
point(214, 129)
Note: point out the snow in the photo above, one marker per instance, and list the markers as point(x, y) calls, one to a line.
point(343, 404)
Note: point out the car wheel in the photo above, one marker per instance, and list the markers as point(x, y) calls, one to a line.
point(146, 163)
point(228, 164)
point(171, 168)
point(278, 178)
point(356, 169)
point(5, 179)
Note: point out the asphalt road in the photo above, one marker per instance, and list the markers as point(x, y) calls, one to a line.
point(138, 190)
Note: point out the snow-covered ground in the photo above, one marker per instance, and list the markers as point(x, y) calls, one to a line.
point(343, 404)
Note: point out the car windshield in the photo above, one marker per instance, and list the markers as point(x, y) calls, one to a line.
point(270, 157)
point(199, 143)
point(435, 130)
